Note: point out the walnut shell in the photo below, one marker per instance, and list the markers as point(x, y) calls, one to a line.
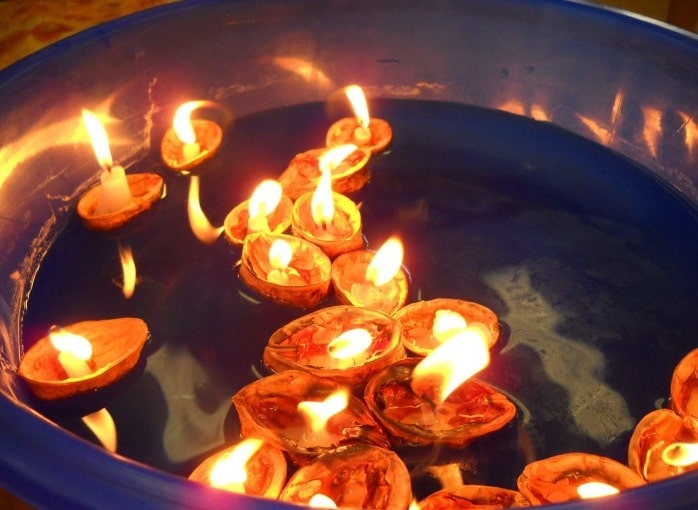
point(116, 347)
point(342, 132)
point(303, 344)
point(146, 189)
point(313, 267)
point(684, 386)
point(473, 496)
point(209, 136)
point(235, 223)
point(417, 319)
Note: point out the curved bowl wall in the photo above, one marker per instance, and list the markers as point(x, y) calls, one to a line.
point(623, 82)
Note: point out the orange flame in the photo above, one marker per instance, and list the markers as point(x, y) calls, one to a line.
point(357, 98)
point(446, 324)
point(591, 490)
point(322, 204)
point(74, 351)
point(128, 268)
point(319, 413)
point(200, 226)
point(280, 254)
point(262, 203)
point(230, 471)
point(349, 344)
point(386, 262)
point(332, 158)
point(98, 138)
point(181, 122)
point(680, 454)
point(452, 363)
point(103, 427)
point(414, 505)
point(319, 500)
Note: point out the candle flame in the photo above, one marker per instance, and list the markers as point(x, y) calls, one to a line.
point(181, 122)
point(103, 427)
point(264, 199)
point(230, 471)
point(321, 501)
point(65, 341)
point(386, 262)
point(98, 138)
point(319, 413)
point(280, 254)
point(357, 98)
point(349, 344)
point(200, 226)
point(596, 490)
point(322, 204)
point(332, 158)
point(452, 363)
point(414, 505)
point(446, 324)
point(128, 269)
point(680, 454)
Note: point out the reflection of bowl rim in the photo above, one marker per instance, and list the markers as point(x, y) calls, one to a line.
point(95, 474)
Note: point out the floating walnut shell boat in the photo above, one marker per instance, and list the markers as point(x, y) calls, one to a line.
point(235, 223)
point(345, 131)
point(473, 496)
point(116, 347)
point(349, 273)
point(303, 173)
point(654, 433)
point(309, 270)
point(342, 235)
point(684, 386)
point(417, 320)
point(306, 344)
point(146, 189)
point(209, 136)
point(268, 409)
point(266, 471)
point(356, 476)
point(556, 479)
point(472, 410)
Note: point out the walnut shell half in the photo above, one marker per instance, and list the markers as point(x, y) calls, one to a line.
point(473, 496)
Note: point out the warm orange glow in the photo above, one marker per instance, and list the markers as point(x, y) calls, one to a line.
point(200, 226)
point(680, 454)
point(349, 344)
point(453, 362)
point(652, 129)
point(98, 138)
point(181, 122)
point(65, 341)
point(230, 471)
point(128, 269)
point(591, 490)
point(103, 427)
point(264, 200)
point(321, 501)
point(446, 324)
point(332, 158)
point(386, 262)
point(318, 414)
point(414, 505)
point(322, 204)
point(357, 98)
point(602, 133)
point(305, 69)
point(280, 254)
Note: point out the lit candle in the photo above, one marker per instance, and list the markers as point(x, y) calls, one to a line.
point(591, 490)
point(115, 192)
point(280, 255)
point(74, 352)
point(184, 130)
point(350, 348)
point(318, 413)
point(362, 133)
point(262, 204)
point(446, 324)
point(321, 501)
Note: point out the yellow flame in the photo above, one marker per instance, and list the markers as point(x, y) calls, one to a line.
point(680, 454)
point(350, 343)
point(181, 122)
point(230, 471)
point(319, 413)
point(280, 254)
point(103, 427)
point(128, 268)
point(446, 323)
point(386, 262)
point(98, 138)
point(65, 341)
point(321, 501)
point(332, 158)
point(414, 505)
point(452, 362)
point(322, 204)
point(596, 490)
point(265, 198)
point(356, 97)
point(200, 226)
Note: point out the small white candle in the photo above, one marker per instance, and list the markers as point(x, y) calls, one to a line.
point(115, 192)
point(74, 351)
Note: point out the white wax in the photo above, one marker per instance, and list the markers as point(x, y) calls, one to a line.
point(115, 192)
point(190, 151)
point(278, 276)
point(257, 223)
point(73, 366)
